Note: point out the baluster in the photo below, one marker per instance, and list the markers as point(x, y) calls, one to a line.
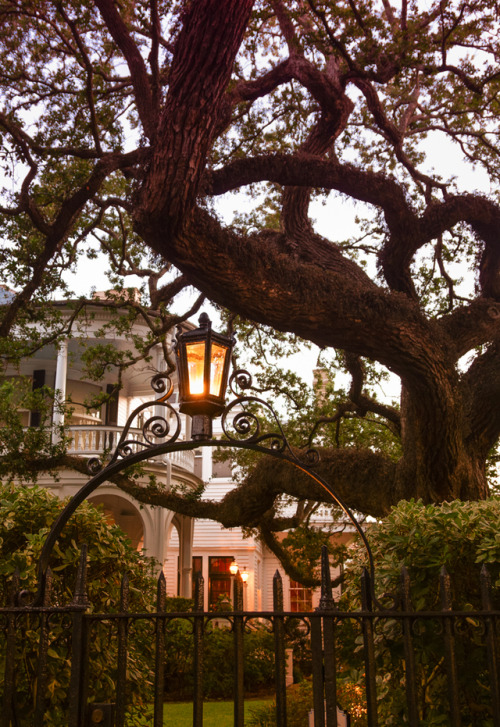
point(450, 651)
point(279, 649)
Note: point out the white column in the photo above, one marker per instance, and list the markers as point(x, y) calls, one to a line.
point(206, 463)
point(155, 533)
point(60, 385)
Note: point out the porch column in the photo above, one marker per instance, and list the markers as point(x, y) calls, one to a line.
point(60, 385)
point(186, 556)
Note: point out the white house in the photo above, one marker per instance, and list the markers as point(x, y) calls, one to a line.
point(182, 546)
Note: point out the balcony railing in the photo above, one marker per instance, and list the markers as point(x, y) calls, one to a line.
point(93, 440)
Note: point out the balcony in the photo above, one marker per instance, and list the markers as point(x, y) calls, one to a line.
point(93, 440)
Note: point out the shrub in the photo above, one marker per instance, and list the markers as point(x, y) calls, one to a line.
point(218, 660)
point(299, 702)
point(26, 515)
point(461, 536)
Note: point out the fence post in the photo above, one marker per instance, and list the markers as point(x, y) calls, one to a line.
point(318, 674)
point(238, 627)
point(79, 646)
point(369, 650)
point(410, 672)
point(198, 630)
point(6, 717)
point(323, 651)
point(327, 607)
point(279, 649)
point(450, 653)
point(159, 686)
point(491, 644)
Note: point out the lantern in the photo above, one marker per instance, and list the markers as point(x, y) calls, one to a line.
point(233, 567)
point(203, 360)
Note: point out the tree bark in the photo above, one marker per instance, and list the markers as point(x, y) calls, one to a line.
point(296, 281)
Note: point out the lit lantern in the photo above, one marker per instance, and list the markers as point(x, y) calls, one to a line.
point(233, 568)
point(203, 360)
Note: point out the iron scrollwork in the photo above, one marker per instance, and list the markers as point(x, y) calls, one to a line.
point(246, 427)
point(157, 429)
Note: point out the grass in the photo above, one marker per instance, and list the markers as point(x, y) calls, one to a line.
point(215, 714)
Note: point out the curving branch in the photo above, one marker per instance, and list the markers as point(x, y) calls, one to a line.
point(140, 79)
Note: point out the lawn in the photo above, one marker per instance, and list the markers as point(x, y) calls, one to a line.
point(215, 714)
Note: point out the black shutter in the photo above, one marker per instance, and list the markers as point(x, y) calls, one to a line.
point(111, 416)
point(38, 382)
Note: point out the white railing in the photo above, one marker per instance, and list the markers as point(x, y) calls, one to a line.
point(93, 440)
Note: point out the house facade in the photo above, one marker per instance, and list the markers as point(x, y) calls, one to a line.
point(181, 545)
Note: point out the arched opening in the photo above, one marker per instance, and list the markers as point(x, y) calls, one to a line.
point(123, 513)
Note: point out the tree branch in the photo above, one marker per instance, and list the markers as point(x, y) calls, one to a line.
point(140, 79)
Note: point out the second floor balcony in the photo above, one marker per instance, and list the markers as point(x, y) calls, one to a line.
point(94, 440)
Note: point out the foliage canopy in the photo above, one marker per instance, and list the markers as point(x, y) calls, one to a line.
point(121, 128)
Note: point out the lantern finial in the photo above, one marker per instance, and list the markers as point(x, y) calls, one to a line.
point(204, 321)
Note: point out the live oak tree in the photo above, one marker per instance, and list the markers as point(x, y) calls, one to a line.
point(126, 122)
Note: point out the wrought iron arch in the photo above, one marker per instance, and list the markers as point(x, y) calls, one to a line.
point(160, 436)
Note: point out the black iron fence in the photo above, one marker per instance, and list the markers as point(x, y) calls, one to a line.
point(414, 662)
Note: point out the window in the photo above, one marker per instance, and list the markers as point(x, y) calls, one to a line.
point(219, 576)
point(111, 413)
point(197, 567)
point(223, 468)
point(300, 597)
point(38, 382)
point(198, 463)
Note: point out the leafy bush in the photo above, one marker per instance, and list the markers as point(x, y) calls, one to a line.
point(26, 515)
point(218, 660)
point(299, 702)
point(461, 536)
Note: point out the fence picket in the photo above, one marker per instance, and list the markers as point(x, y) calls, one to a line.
point(159, 685)
point(41, 673)
point(324, 643)
point(369, 650)
point(318, 672)
point(79, 646)
point(6, 717)
point(491, 645)
point(238, 627)
point(279, 648)
point(450, 649)
point(199, 634)
point(410, 673)
point(121, 656)
point(326, 608)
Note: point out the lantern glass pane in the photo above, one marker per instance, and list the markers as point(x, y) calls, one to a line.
point(217, 360)
point(195, 354)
